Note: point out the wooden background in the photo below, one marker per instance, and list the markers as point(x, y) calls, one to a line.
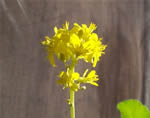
point(28, 86)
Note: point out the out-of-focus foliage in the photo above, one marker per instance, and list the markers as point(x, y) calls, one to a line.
point(133, 109)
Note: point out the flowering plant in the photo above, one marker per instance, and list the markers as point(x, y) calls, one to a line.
point(69, 46)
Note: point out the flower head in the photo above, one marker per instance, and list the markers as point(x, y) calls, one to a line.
point(73, 79)
point(79, 41)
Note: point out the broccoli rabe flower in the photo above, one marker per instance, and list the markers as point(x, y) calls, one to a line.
point(73, 80)
point(79, 42)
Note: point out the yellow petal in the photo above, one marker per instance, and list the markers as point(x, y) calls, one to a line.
point(66, 25)
point(51, 59)
point(75, 41)
point(94, 83)
point(92, 27)
point(84, 74)
point(75, 76)
point(55, 30)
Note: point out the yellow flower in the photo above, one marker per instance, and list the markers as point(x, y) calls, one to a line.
point(67, 79)
point(71, 45)
point(73, 80)
point(79, 41)
point(91, 78)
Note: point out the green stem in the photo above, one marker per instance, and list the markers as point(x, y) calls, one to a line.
point(72, 93)
point(72, 107)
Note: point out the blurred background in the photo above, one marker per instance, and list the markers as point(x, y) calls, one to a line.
point(28, 86)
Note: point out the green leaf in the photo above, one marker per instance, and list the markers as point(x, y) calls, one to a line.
point(133, 109)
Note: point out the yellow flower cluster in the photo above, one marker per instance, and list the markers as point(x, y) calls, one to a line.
point(73, 80)
point(79, 42)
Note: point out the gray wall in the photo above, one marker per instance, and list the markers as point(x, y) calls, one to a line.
point(28, 86)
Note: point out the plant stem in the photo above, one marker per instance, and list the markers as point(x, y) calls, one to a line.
point(72, 107)
point(72, 93)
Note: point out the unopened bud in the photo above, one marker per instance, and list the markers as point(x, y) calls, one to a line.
point(83, 87)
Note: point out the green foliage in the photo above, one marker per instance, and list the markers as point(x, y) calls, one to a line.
point(133, 109)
